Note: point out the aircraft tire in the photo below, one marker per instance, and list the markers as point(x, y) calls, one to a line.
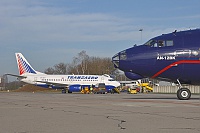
point(69, 91)
point(183, 94)
point(63, 91)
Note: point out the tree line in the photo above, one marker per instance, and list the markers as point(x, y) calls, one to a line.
point(82, 64)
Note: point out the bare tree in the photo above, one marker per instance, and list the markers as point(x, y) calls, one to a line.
point(49, 70)
point(79, 64)
point(84, 64)
point(83, 58)
point(75, 64)
point(60, 68)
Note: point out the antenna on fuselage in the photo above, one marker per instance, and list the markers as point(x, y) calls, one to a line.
point(174, 32)
point(141, 33)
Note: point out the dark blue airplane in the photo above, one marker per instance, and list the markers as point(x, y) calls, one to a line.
point(173, 57)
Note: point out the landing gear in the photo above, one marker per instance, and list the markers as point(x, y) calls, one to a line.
point(183, 93)
point(69, 91)
point(63, 91)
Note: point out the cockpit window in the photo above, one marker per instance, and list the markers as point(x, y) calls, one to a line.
point(159, 43)
point(111, 80)
point(150, 42)
point(115, 60)
point(116, 57)
point(123, 55)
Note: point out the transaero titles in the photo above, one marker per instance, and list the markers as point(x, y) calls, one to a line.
point(83, 77)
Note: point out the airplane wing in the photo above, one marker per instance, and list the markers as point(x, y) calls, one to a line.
point(53, 83)
point(18, 76)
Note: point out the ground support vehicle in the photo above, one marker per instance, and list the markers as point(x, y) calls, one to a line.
point(100, 89)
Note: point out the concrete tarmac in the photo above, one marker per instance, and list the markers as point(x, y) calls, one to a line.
point(22, 112)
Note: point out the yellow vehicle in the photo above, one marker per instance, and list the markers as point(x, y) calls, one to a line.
point(115, 90)
point(132, 91)
point(146, 86)
point(85, 90)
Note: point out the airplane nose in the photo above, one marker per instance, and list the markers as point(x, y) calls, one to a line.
point(119, 57)
point(115, 60)
point(118, 84)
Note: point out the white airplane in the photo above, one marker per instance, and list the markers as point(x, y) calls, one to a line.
point(73, 82)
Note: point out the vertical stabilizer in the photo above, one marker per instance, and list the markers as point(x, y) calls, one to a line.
point(23, 65)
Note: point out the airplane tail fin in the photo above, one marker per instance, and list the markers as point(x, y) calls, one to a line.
point(23, 65)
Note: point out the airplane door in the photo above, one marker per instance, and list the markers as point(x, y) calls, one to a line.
point(35, 80)
point(102, 79)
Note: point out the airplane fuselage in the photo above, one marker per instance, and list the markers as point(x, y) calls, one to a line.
point(169, 56)
point(71, 82)
point(173, 57)
point(64, 81)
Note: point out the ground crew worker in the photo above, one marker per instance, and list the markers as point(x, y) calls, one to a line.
point(129, 89)
point(91, 88)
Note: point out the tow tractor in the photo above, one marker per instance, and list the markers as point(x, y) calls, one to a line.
point(100, 89)
point(132, 90)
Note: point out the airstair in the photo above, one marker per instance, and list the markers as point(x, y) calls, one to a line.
point(145, 85)
point(116, 90)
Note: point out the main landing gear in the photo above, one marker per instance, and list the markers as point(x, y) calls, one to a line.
point(183, 93)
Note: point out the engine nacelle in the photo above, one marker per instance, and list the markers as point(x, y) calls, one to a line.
point(74, 88)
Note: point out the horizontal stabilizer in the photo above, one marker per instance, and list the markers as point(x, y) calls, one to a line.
point(18, 76)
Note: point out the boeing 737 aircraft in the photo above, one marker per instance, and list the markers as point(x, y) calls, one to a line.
point(173, 57)
point(73, 82)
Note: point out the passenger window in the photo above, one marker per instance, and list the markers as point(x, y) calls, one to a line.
point(169, 43)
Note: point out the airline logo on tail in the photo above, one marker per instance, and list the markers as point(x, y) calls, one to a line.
point(23, 65)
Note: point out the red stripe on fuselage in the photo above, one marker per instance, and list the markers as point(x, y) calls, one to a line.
point(174, 64)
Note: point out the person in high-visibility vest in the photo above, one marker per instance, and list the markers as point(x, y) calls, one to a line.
point(129, 89)
point(91, 88)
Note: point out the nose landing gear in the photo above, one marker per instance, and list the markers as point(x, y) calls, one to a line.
point(183, 93)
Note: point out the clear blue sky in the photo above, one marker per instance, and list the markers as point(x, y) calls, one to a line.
point(48, 32)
